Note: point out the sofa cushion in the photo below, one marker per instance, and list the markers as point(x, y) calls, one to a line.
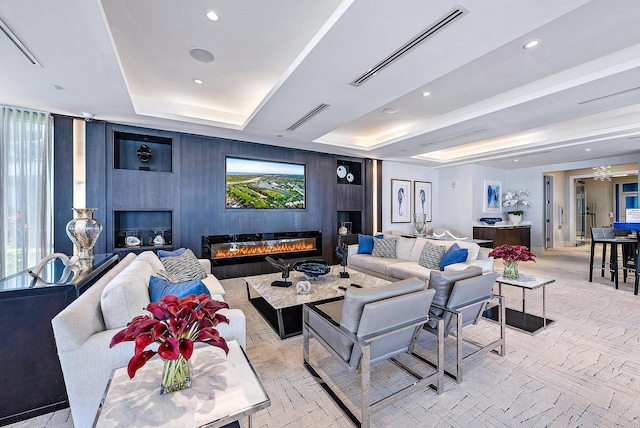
point(127, 295)
point(374, 264)
point(158, 288)
point(407, 270)
point(417, 249)
point(365, 243)
point(385, 248)
point(431, 255)
point(213, 285)
point(152, 259)
point(404, 246)
point(185, 264)
point(453, 255)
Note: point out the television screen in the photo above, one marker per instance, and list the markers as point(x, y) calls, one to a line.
point(260, 184)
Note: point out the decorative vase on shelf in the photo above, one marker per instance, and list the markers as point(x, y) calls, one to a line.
point(515, 219)
point(84, 231)
point(511, 269)
point(420, 222)
point(176, 375)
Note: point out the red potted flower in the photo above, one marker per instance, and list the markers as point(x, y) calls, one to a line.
point(511, 255)
point(174, 325)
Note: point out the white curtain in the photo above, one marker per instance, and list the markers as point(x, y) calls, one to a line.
point(26, 188)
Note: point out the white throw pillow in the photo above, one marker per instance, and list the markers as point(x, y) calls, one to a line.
point(404, 246)
point(127, 295)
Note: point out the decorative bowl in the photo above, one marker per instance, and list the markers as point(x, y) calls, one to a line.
point(490, 220)
point(312, 268)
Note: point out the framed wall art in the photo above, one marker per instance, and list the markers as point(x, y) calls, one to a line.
point(422, 198)
point(400, 201)
point(492, 197)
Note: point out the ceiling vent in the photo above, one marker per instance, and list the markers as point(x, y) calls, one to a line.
point(18, 44)
point(442, 23)
point(610, 95)
point(308, 116)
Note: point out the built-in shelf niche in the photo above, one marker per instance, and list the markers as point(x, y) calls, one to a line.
point(143, 225)
point(354, 217)
point(126, 146)
point(354, 168)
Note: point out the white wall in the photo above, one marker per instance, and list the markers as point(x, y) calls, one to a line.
point(402, 171)
point(458, 206)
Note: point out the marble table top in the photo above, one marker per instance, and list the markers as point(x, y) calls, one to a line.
point(324, 287)
point(525, 281)
point(224, 389)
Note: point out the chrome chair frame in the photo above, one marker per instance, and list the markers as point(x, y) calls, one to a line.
point(435, 380)
point(461, 339)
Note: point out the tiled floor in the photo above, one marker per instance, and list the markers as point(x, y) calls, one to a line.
point(583, 371)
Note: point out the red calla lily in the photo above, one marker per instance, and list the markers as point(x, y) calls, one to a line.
point(138, 361)
point(175, 325)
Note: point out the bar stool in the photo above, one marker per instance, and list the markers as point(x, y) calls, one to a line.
point(598, 234)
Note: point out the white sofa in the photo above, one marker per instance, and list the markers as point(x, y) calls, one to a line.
point(83, 339)
point(408, 251)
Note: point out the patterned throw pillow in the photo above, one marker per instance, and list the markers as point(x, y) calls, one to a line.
point(186, 266)
point(384, 247)
point(174, 277)
point(431, 255)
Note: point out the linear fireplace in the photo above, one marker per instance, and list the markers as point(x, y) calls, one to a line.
point(249, 248)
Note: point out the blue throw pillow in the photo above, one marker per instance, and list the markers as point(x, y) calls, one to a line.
point(159, 288)
point(164, 253)
point(365, 243)
point(453, 255)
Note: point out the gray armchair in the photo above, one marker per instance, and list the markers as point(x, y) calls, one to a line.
point(370, 325)
point(461, 298)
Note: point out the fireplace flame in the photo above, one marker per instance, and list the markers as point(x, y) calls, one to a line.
point(263, 249)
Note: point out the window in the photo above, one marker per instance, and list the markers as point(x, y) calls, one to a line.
point(26, 180)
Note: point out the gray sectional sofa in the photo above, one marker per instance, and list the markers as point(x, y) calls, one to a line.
point(408, 251)
point(83, 330)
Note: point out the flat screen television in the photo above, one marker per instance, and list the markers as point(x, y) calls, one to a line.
point(259, 184)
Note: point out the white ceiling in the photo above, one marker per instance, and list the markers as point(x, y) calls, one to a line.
point(128, 62)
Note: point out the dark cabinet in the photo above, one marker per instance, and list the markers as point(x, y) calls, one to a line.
point(514, 235)
point(31, 383)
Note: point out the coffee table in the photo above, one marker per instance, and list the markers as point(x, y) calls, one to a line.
point(521, 320)
point(281, 307)
point(224, 389)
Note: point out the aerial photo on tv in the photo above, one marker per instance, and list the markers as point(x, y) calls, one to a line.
point(264, 185)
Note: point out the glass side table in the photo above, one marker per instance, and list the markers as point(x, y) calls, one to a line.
point(224, 389)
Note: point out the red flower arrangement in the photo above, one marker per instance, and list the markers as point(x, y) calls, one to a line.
point(175, 324)
point(512, 253)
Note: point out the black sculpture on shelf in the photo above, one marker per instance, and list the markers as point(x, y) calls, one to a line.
point(284, 267)
point(343, 253)
point(144, 153)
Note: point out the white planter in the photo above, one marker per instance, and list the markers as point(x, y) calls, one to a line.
point(515, 219)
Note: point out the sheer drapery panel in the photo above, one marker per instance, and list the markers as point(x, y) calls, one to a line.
point(26, 188)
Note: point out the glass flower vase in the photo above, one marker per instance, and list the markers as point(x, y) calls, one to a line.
point(176, 375)
point(511, 269)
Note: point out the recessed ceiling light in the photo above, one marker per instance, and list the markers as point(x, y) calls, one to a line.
point(531, 44)
point(587, 150)
point(57, 87)
point(426, 94)
point(201, 55)
point(198, 81)
point(516, 160)
point(212, 16)
point(391, 110)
